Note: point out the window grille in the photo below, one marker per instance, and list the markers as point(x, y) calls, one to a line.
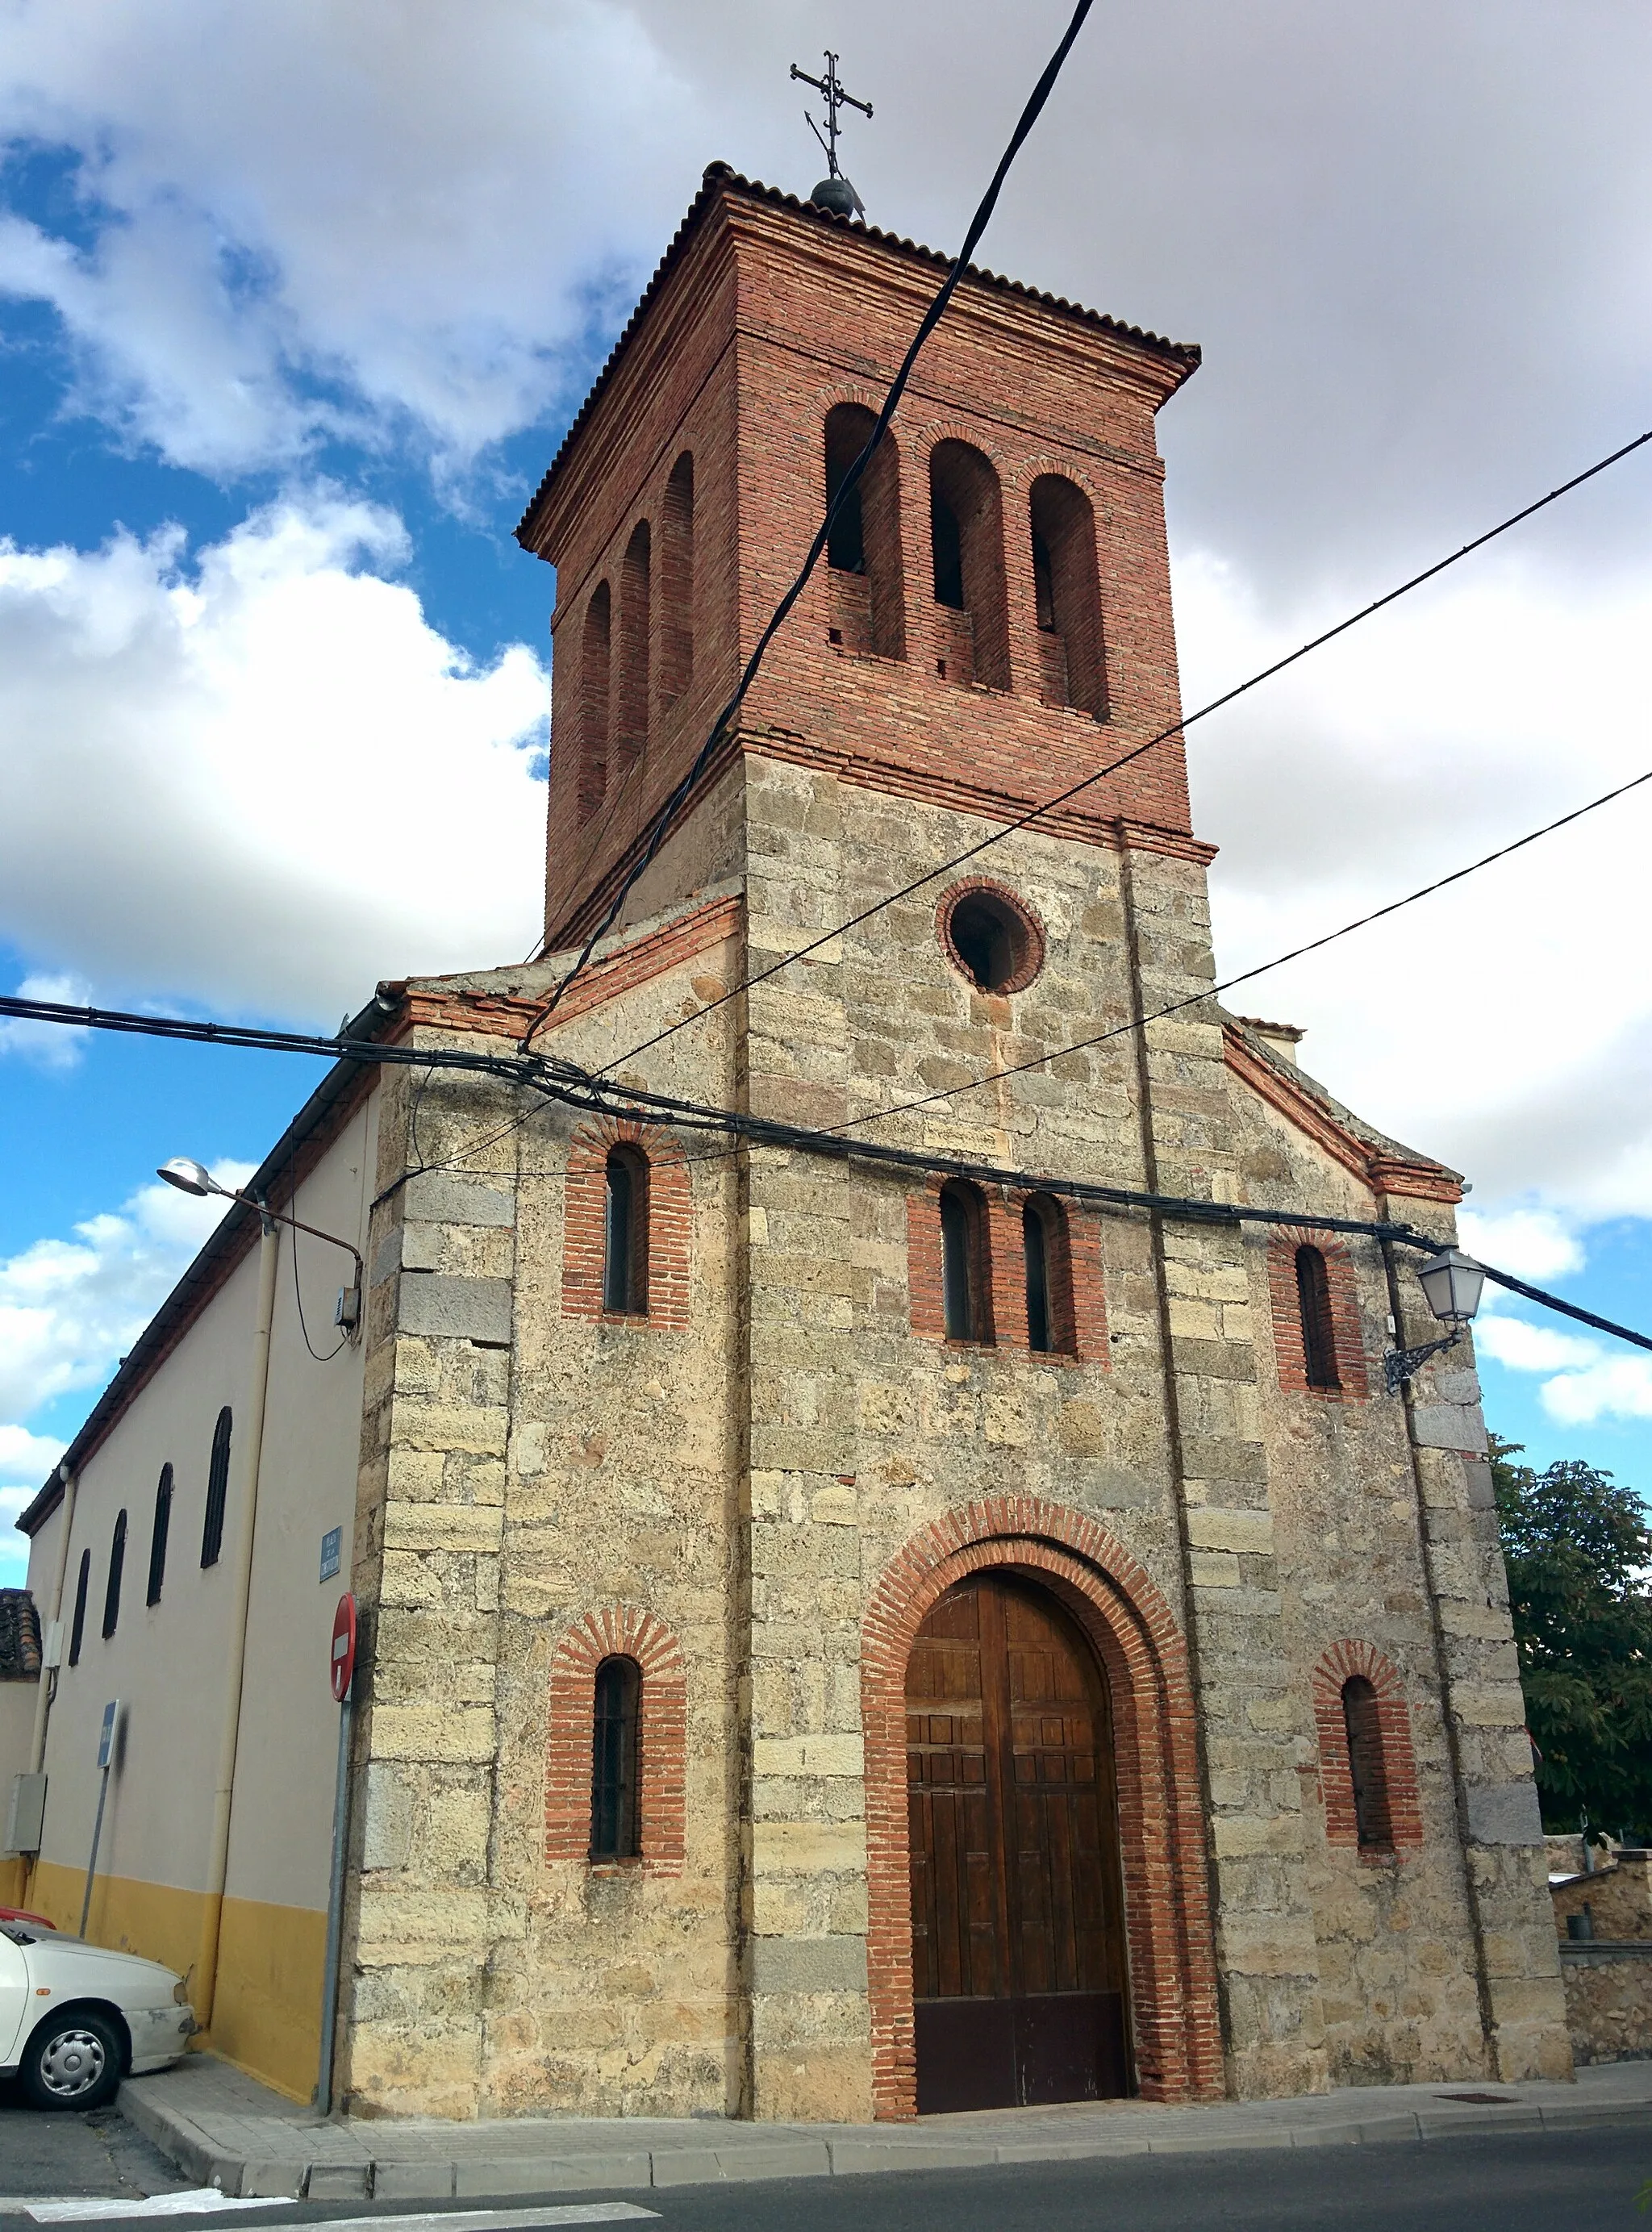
point(1319, 1336)
point(625, 1234)
point(77, 1633)
point(615, 1823)
point(157, 1534)
point(111, 1588)
point(1367, 1767)
point(217, 1488)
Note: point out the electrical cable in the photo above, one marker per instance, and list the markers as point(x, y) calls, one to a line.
point(997, 836)
point(298, 1292)
point(1246, 976)
point(851, 481)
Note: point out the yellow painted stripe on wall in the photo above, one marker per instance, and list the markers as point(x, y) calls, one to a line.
point(268, 2018)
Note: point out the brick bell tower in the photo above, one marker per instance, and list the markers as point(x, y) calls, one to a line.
point(995, 622)
point(805, 1443)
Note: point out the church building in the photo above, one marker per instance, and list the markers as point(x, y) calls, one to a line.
point(839, 1640)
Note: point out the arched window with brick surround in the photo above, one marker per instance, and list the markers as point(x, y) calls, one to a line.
point(1319, 1339)
point(864, 554)
point(624, 1233)
point(595, 648)
point(966, 549)
point(1367, 1766)
point(1067, 596)
point(676, 582)
point(636, 599)
point(966, 1292)
point(616, 1743)
point(627, 1215)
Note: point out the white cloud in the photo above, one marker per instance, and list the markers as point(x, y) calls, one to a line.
point(69, 1308)
point(302, 213)
point(48, 1045)
point(1504, 1024)
point(1532, 1244)
point(1522, 1346)
point(1615, 1387)
point(258, 777)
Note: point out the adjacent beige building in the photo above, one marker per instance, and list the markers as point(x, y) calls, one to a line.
point(840, 1637)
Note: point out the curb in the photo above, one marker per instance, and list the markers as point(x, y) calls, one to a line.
point(344, 2169)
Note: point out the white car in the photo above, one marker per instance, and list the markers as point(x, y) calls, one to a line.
point(75, 2019)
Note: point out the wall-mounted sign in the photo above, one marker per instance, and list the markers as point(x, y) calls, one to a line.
point(331, 1552)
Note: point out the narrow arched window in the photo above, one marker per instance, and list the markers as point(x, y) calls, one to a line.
point(117, 1566)
point(217, 1489)
point(964, 1296)
point(636, 591)
point(158, 1534)
point(77, 1633)
point(593, 702)
point(967, 548)
point(616, 1823)
point(624, 1234)
point(1367, 1768)
point(1319, 1335)
point(676, 582)
point(1047, 1246)
point(1067, 596)
point(863, 551)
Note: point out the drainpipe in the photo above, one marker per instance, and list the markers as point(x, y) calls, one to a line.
point(206, 1979)
point(48, 1689)
point(48, 1677)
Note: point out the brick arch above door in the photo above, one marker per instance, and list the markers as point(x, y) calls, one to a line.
point(1167, 1907)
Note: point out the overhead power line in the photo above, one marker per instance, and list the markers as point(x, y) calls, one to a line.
point(996, 836)
point(931, 318)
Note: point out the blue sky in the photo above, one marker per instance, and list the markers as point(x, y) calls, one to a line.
point(295, 301)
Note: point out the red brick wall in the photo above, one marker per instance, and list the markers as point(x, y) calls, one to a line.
point(737, 359)
point(1399, 1761)
point(1347, 1328)
point(670, 1215)
point(1078, 1301)
point(620, 1631)
point(1167, 1913)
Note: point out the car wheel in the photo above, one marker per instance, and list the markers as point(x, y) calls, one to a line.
point(72, 2060)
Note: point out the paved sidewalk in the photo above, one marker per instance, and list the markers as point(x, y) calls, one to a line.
point(224, 2129)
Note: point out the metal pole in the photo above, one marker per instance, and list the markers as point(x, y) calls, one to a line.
point(92, 1865)
point(335, 1907)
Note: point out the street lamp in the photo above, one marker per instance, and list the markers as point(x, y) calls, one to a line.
point(194, 1179)
point(1451, 1283)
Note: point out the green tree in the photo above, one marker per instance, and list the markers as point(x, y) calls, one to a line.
point(1579, 1555)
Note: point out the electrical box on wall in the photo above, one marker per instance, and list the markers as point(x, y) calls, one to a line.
point(25, 1814)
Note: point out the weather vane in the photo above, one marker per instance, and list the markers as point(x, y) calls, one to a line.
point(836, 191)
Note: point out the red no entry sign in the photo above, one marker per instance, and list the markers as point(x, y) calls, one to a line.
point(344, 1647)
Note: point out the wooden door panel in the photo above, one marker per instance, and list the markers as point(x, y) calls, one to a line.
point(1017, 1950)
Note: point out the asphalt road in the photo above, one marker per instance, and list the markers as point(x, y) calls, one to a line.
point(62, 2155)
point(1527, 2182)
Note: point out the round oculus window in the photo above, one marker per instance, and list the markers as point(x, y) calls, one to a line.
point(990, 937)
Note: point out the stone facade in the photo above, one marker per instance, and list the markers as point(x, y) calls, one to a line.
point(757, 1486)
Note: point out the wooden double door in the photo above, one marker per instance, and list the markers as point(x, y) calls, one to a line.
point(1018, 1953)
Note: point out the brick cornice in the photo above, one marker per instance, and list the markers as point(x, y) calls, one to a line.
point(1382, 1169)
point(510, 1015)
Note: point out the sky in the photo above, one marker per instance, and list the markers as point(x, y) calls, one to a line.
point(295, 301)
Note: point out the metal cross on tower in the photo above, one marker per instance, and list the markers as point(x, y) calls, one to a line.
point(836, 191)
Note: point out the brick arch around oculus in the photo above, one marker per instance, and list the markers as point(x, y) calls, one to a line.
point(1174, 2017)
point(584, 1218)
point(618, 1631)
point(1341, 1663)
